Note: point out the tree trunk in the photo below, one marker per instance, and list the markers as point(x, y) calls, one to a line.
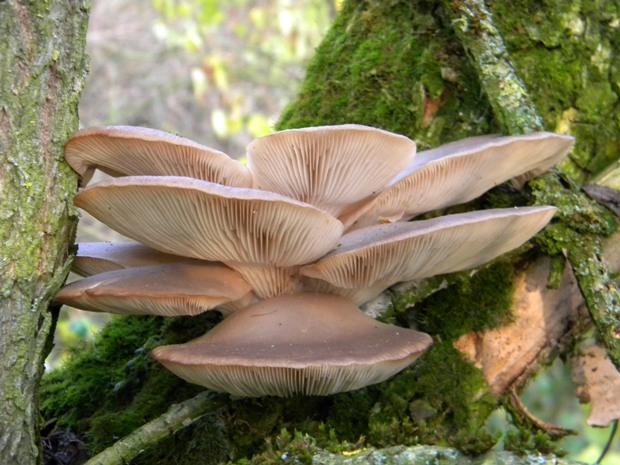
point(42, 73)
point(435, 71)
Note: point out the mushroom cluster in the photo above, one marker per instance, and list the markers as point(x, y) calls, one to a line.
point(290, 245)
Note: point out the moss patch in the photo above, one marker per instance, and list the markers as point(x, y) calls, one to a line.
point(563, 50)
point(403, 72)
point(477, 303)
point(114, 387)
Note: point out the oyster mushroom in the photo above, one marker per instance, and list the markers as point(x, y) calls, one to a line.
point(310, 344)
point(457, 173)
point(330, 167)
point(132, 150)
point(369, 260)
point(98, 257)
point(170, 289)
point(261, 234)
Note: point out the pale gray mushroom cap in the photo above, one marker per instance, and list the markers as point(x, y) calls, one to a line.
point(132, 150)
point(379, 256)
point(329, 167)
point(458, 172)
point(309, 344)
point(170, 289)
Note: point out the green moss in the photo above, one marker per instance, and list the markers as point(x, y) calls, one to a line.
point(578, 234)
point(477, 303)
point(568, 67)
point(423, 405)
point(577, 214)
point(403, 72)
point(116, 387)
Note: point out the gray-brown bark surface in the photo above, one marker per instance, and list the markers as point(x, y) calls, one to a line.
point(42, 66)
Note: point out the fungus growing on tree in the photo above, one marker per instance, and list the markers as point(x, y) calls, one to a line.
point(311, 344)
point(323, 229)
point(170, 289)
point(131, 150)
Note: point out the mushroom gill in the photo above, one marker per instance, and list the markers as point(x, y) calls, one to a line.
point(310, 344)
point(131, 150)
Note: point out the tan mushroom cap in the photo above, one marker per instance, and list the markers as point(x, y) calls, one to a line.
point(458, 172)
point(329, 167)
point(309, 344)
point(131, 150)
point(379, 256)
point(241, 227)
point(170, 289)
point(98, 257)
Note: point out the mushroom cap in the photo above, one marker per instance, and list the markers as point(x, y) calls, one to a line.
point(310, 344)
point(199, 219)
point(458, 172)
point(132, 150)
point(98, 257)
point(329, 167)
point(170, 289)
point(379, 256)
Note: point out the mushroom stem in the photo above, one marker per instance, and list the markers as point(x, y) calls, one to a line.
point(269, 280)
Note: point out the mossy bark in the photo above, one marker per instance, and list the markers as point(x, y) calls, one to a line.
point(397, 65)
point(42, 66)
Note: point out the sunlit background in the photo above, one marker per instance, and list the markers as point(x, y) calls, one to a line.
point(221, 73)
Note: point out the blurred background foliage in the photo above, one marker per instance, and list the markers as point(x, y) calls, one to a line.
point(220, 72)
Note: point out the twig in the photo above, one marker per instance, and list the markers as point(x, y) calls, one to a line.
point(473, 24)
point(610, 441)
point(178, 416)
point(552, 430)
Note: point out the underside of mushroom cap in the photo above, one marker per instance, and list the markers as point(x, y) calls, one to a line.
point(309, 344)
point(209, 221)
point(458, 172)
point(170, 289)
point(329, 167)
point(132, 150)
point(380, 256)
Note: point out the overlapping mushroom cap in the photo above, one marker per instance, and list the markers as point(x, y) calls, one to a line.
point(317, 209)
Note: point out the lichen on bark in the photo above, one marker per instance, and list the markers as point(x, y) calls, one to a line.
point(43, 62)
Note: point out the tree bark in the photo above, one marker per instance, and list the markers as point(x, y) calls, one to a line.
point(419, 68)
point(42, 72)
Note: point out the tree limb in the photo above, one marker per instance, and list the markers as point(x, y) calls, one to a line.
point(178, 416)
